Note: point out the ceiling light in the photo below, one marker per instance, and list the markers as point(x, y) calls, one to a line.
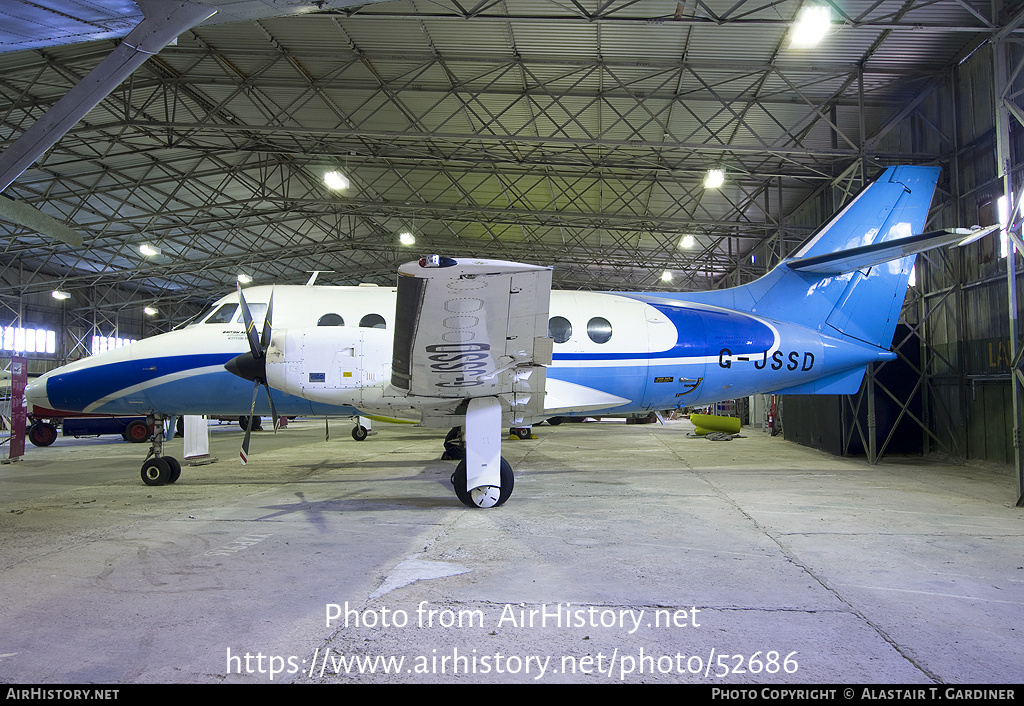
point(244, 278)
point(148, 250)
point(810, 27)
point(407, 238)
point(686, 242)
point(57, 294)
point(149, 311)
point(714, 179)
point(666, 276)
point(336, 180)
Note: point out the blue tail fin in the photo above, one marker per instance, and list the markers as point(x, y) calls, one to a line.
point(864, 304)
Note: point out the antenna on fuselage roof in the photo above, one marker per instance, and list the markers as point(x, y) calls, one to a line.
point(312, 277)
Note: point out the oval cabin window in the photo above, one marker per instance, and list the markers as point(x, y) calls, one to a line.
point(599, 330)
point(330, 320)
point(559, 329)
point(372, 321)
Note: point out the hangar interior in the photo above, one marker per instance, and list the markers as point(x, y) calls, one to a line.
point(569, 134)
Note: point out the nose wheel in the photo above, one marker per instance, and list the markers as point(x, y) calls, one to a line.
point(158, 469)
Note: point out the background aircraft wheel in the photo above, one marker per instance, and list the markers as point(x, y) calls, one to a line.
point(137, 432)
point(175, 467)
point(257, 423)
point(42, 434)
point(454, 448)
point(521, 432)
point(156, 471)
point(484, 496)
point(359, 432)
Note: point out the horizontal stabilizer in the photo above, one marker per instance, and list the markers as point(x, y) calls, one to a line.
point(838, 263)
point(566, 397)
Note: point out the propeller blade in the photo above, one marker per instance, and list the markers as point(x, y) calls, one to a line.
point(265, 337)
point(244, 453)
point(250, 327)
point(273, 409)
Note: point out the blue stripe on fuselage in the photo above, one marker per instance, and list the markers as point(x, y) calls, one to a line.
point(74, 390)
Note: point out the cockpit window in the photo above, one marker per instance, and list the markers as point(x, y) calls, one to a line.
point(258, 311)
point(330, 320)
point(223, 315)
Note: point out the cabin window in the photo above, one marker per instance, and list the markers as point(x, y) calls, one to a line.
point(223, 315)
point(599, 330)
point(372, 321)
point(330, 320)
point(559, 329)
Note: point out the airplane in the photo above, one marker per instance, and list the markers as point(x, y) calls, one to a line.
point(475, 345)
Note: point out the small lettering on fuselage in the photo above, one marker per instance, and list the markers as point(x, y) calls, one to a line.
point(804, 360)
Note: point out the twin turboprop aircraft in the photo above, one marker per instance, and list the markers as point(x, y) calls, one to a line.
point(479, 345)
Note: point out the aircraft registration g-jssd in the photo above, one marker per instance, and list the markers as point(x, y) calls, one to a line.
point(481, 344)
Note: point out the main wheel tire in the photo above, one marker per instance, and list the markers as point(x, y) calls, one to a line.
point(137, 432)
point(42, 434)
point(175, 466)
point(521, 432)
point(156, 471)
point(469, 497)
point(359, 432)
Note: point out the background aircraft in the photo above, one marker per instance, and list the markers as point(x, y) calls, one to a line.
point(484, 344)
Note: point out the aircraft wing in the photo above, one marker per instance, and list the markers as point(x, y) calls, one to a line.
point(876, 254)
point(473, 328)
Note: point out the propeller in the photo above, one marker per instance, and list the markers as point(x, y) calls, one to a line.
point(253, 365)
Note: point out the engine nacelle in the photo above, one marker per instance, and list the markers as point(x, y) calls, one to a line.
point(339, 365)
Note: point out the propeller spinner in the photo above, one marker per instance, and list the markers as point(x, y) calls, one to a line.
point(253, 365)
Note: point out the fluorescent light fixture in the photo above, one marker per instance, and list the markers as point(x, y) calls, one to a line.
point(148, 250)
point(666, 276)
point(149, 311)
point(686, 242)
point(810, 27)
point(714, 179)
point(1003, 213)
point(407, 238)
point(244, 278)
point(57, 294)
point(336, 180)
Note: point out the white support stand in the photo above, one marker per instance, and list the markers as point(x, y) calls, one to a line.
point(197, 441)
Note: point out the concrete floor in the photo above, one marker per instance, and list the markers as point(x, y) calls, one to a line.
point(640, 554)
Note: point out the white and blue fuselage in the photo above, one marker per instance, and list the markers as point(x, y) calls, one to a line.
point(655, 352)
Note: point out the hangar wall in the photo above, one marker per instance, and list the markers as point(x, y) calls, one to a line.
point(954, 336)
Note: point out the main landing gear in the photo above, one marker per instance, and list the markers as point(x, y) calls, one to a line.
point(483, 478)
point(158, 469)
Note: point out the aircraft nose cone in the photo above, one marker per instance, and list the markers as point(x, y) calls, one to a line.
point(247, 367)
